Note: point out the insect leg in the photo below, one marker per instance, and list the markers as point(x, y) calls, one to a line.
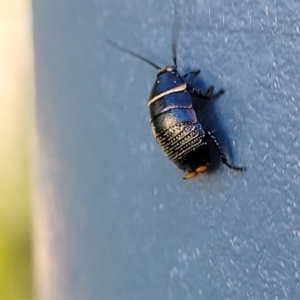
point(195, 73)
point(221, 152)
point(208, 95)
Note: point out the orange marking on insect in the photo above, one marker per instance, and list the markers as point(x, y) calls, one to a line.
point(193, 174)
point(190, 175)
point(201, 169)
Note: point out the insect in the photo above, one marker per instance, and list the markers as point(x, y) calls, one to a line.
point(173, 119)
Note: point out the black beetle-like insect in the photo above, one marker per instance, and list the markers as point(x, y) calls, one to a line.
point(174, 121)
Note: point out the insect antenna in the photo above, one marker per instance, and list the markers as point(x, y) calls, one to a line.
point(175, 34)
point(121, 48)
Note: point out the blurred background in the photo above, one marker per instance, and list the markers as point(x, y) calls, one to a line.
point(16, 137)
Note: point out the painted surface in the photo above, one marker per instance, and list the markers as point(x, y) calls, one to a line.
point(116, 220)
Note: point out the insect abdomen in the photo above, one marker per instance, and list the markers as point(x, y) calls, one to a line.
point(179, 140)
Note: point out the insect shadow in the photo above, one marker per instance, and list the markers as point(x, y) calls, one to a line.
point(208, 114)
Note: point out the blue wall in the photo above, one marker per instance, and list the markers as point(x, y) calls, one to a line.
point(132, 228)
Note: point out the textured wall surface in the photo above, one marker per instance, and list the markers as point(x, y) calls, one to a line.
point(114, 219)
